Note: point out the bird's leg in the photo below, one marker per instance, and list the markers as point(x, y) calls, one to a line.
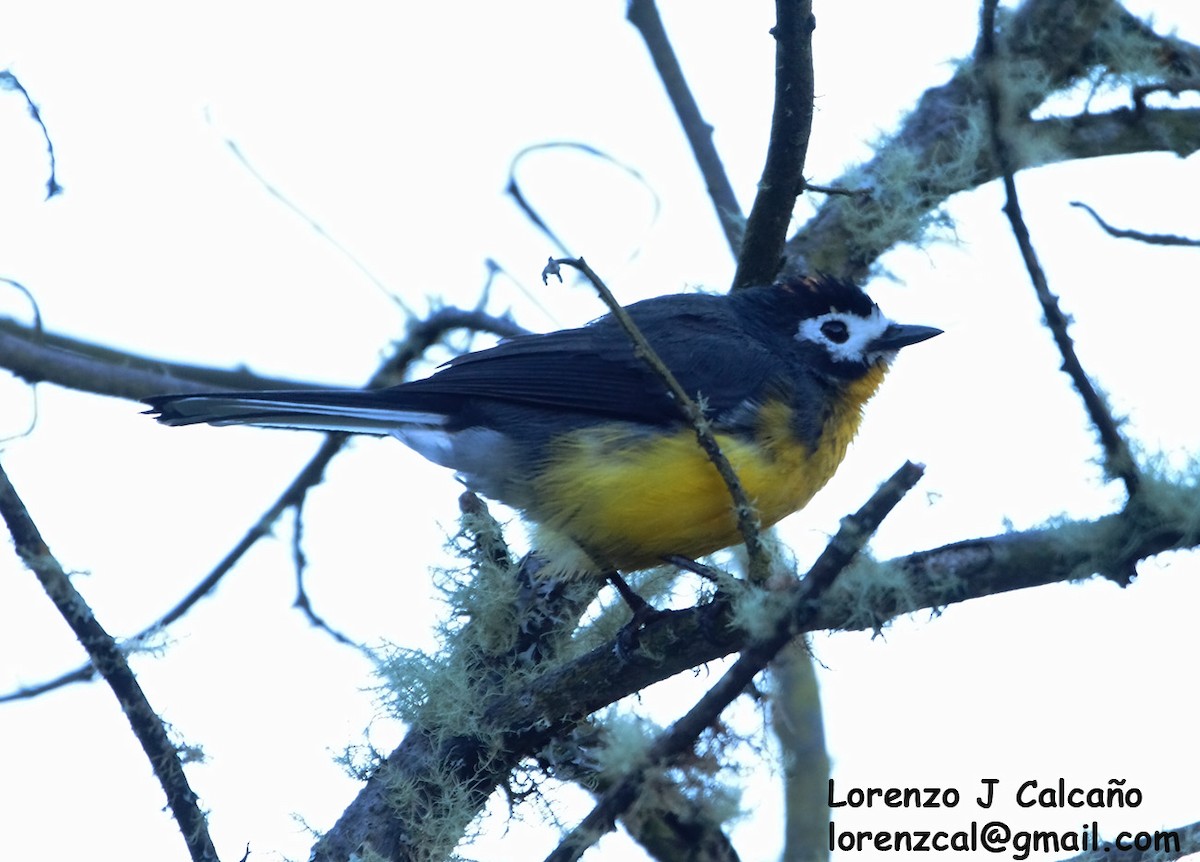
point(643, 612)
point(690, 565)
point(636, 603)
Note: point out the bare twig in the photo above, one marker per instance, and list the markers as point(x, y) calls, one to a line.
point(1118, 460)
point(37, 328)
point(9, 81)
point(317, 227)
point(300, 562)
point(833, 190)
point(682, 735)
point(643, 15)
point(531, 212)
point(761, 254)
point(1149, 238)
point(108, 659)
point(746, 514)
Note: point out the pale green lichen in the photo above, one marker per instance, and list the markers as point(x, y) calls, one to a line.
point(1173, 492)
point(899, 204)
point(1129, 57)
point(866, 594)
point(625, 744)
point(447, 693)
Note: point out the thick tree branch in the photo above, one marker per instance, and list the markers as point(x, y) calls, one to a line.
point(108, 659)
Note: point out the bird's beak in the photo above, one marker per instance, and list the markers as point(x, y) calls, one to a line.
point(899, 335)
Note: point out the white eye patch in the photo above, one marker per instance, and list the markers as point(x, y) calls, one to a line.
point(845, 336)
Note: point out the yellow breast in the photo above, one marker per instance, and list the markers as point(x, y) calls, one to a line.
point(629, 497)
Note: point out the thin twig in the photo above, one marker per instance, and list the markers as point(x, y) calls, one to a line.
point(761, 255)
point(300, 563)
point(317, 227)
point(107, 657)
point(1149, 238)
point(643, 15)
point(37, 328)
point(835, 190)
point(747, 516)
point(9, 81)
point(518, 195)
point(1118, 460)
point(682, 735)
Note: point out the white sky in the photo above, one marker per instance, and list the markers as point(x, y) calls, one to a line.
point(395, 132)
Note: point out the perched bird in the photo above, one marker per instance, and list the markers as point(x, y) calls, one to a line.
point(577, 432)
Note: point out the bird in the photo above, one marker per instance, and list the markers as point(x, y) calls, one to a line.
point(576, 431)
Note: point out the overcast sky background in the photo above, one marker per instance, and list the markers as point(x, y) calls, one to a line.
point(395, 132)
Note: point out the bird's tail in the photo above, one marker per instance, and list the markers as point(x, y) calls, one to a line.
point(354, 410)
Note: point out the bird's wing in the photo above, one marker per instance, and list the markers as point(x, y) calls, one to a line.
point(593, 369)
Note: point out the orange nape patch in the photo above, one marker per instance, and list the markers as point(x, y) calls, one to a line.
point(630, 497)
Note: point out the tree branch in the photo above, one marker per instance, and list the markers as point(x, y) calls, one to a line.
point(1148, 238)
point(643, 15)
point(108, 659)
point(38, 356)
point(761, 255)
point(1118, 460)
point(9, 81)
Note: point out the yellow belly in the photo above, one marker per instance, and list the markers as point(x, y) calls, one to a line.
point(630, 499)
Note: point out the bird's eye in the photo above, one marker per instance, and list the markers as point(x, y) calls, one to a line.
point(836, 331)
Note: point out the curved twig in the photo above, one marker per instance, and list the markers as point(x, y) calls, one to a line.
point(1148, 238)
point(9, 81)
